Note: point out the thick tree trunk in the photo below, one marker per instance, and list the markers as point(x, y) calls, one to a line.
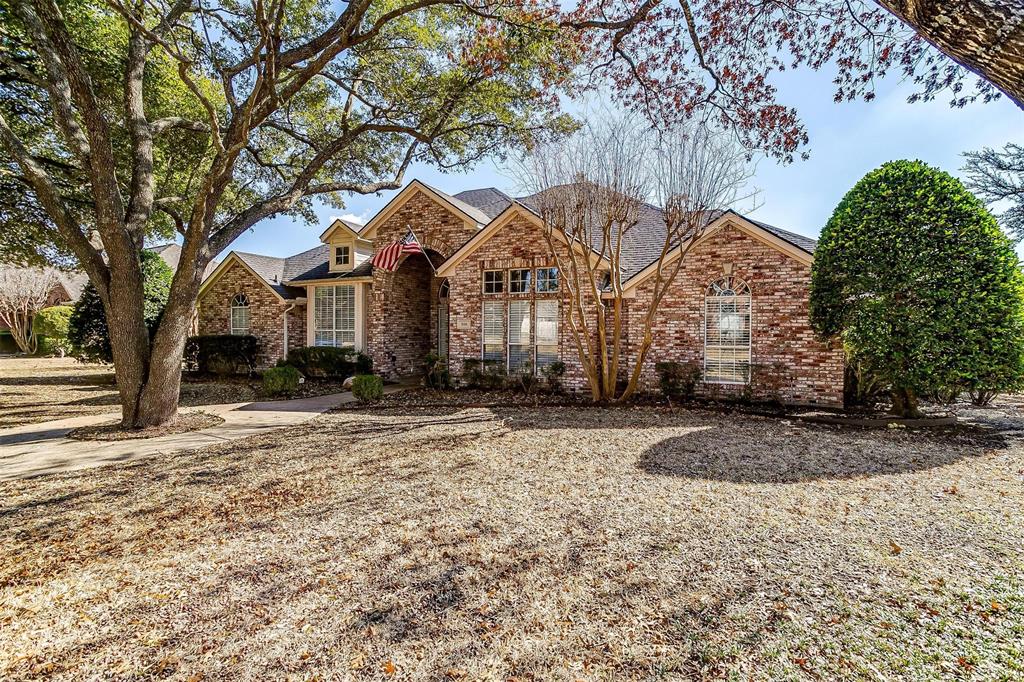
point(904, 403)
point(984, 36)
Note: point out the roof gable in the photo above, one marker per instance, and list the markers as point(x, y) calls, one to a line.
point(460, 208)
point(771, 236)
point(504, 218)
point(346, 227)
point(267, 269)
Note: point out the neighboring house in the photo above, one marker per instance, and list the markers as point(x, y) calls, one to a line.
point(487, 288)
point(70, 283)
point(66, 289)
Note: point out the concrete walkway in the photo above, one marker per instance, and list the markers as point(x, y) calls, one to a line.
point(44, 448)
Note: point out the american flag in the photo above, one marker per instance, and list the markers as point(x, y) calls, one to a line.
point(387, 258)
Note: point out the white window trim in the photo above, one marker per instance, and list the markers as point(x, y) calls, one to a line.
point(240, 331)
point(360, 308)
point(483, 333)
point(504, 283)
point(536, 281)
point(530, 345)
point(529, 281)
point(750, 337)
point(558, 331)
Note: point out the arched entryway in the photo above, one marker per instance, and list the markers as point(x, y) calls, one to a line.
point(404, 315)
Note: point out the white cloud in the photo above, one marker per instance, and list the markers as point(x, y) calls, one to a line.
point(352, 217)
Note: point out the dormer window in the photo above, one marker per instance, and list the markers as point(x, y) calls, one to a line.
point(342, 256)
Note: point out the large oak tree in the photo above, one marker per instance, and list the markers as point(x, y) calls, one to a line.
point(128, 117)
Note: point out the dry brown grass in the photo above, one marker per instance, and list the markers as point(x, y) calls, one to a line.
point(553, 543)
point(35, 390)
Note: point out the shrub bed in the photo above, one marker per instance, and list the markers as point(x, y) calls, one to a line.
point(222, 354)
point(325, 362)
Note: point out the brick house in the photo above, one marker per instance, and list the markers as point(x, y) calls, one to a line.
point(487, 287)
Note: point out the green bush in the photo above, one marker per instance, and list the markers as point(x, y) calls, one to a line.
point(483, 374)
point(553, 373)
point(920, 284)
point(526, 379)
point(436, 371)
point(282, 380)
point(87, 327)
point(678, 380)
point(51, 326)
point(327, 362)
point(367, 388)
point(222, 354)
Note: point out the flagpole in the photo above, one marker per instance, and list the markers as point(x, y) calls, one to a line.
point(422, 249)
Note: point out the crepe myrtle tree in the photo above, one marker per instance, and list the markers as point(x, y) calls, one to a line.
point(24, 292)
point(924, 289)
point(592, 190)
point(124, 117)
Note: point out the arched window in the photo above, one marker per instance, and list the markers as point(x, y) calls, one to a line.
point(727, 332)
point(442, 291)
point(240, 314)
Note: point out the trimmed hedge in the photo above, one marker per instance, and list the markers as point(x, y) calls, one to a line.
point(222, 354)
point(327, 362)
point(367, 388)
point(283, 380)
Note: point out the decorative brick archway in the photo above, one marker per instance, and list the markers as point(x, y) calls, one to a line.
point(401, 320)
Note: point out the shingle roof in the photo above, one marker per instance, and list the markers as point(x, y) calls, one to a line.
point(463, 206)
point(641, 246)
point(314, 264)
point(489, 200)
point(798, 240)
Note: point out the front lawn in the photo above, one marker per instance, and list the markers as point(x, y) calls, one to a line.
point(527, 543)
point(36, 390)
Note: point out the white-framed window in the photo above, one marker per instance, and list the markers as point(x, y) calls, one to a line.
point(547, 280)
point(519, 281)
point(520, 355)
point(546, 333)
point(493, 348)
point(334, 315)
point(494, 281)
point(727, 332)
point(240, 315)
point(342, 255)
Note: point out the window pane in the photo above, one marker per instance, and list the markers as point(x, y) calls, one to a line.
point(727, 334)
point(519, 281)
point(518, 335)
point(547, 280)
point(494, 281)
point(547, 322)
point(494, 332)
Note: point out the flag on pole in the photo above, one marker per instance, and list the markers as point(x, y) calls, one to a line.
point(387, 258)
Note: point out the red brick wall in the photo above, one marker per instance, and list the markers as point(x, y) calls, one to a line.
point(401, 325)
point(811, 371)
point(520, 244)
point(266, 313)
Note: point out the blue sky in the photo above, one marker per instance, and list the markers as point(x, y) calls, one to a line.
point(847, 141)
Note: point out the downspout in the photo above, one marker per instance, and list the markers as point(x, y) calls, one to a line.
point(287, 310)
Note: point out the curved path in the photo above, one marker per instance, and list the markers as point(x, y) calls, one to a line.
point(44, 448)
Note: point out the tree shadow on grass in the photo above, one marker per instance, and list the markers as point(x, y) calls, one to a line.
point(775, 456)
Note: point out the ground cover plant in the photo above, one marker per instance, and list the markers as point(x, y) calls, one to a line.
point(564, 543)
